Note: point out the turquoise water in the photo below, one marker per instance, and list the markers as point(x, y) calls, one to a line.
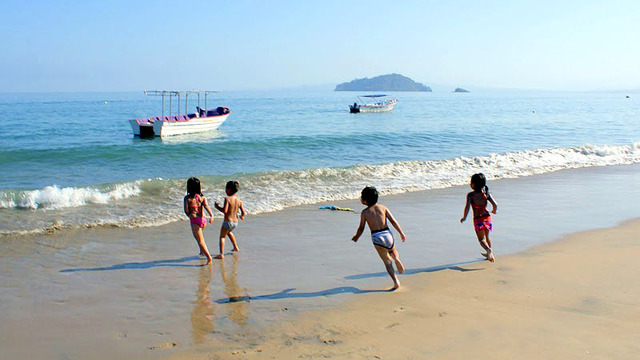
point(69, 160)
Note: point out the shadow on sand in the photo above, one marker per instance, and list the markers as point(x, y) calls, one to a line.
point(454, 266)
point(141, 265)
point(290, 294)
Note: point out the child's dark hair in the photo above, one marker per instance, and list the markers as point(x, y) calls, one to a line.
point(234, 186)
point(479, 182)
point(370, 195)
point(194, 187)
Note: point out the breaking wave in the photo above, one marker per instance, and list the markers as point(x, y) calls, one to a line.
point(159, 201)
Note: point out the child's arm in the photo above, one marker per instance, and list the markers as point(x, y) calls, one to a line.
point(242, 212)
point(206, 206)
point(493, 203)
point(395, 224)
point(466, 208)
point(360, 228)
point(218, 207)
point(225, 207)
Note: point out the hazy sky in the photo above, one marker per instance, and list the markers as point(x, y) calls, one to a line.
point(233, 45)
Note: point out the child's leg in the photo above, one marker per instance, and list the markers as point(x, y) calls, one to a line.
point(396, 257)
point(483, 242)
point(490, 253)
point(194, 231)
point(197, 233)
point(233, 241)
point(223, 234)
point(384, 255)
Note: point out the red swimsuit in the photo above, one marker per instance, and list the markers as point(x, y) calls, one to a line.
point(482, 222)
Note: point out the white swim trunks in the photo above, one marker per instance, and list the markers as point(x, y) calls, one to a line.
point(383, 238)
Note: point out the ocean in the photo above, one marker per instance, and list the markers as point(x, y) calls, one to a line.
point(69, 160)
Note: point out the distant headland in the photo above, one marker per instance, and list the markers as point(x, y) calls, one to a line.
point(389, 82)
point(460, 90)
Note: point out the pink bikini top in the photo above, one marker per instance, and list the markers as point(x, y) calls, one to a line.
point(197, 208)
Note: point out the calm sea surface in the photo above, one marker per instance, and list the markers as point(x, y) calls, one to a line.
point(70, 160)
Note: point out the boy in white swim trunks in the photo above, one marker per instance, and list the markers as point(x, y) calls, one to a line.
point(376, 216)
point(232, 204)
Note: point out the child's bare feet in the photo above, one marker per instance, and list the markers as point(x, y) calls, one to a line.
point(209, 259)
point(399, 266)
point(236, 249)
point(490, 256)
point(395, 287)
point(221, 256)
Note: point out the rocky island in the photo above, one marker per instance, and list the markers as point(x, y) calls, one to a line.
point(460, 90)
point(389, 82)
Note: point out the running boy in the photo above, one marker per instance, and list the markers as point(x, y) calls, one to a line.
point(232, 204)
point(376, 216)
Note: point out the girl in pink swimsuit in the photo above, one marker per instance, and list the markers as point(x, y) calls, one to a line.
point(194, 202)
point(482, 224)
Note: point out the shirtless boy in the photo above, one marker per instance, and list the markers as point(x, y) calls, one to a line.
point(376, 216)
point(232, 204)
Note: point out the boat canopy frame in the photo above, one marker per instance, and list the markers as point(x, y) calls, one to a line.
point(364, 102)
point(178, 94)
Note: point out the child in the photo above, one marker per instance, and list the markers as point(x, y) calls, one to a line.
point(194, 201)
point(477, 199)
point(376, 216)
point(230, 210)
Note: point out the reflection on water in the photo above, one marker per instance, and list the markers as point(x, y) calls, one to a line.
point(203, 315)
point(237, 311)
point(203, 312)
point(201, 138)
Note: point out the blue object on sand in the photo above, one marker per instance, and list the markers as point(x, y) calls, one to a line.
point(333, 207)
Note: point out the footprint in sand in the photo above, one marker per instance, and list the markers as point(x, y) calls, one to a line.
point(167, 345)
point(398, 309)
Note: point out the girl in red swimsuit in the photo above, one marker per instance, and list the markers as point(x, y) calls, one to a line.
point(478, 199)
point(194, 202)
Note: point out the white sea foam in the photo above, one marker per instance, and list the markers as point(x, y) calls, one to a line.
point(54, 197)
point(277, 190)
point(155, 202)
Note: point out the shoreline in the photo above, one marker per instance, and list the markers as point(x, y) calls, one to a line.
point(123, 293)
point(555, 300)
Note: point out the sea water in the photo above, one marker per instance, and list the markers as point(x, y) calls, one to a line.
point(69, 160)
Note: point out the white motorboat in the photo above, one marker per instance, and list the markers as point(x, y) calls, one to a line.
point(373, 103)
point(177, 124)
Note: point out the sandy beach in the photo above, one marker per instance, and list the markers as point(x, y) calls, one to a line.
point(573, 299)
point(300, 288)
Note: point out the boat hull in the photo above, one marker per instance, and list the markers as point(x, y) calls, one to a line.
point(172, 128)
point(383, 106)
point(376, 108)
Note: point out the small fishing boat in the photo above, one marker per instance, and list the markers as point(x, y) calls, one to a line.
point(373, 103)
point(201, 120)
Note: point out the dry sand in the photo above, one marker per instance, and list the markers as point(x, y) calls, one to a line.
point(576, 298)
point(143, 294)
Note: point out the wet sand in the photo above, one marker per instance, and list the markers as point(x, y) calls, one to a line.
point(144, 294)
point(576, 298)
